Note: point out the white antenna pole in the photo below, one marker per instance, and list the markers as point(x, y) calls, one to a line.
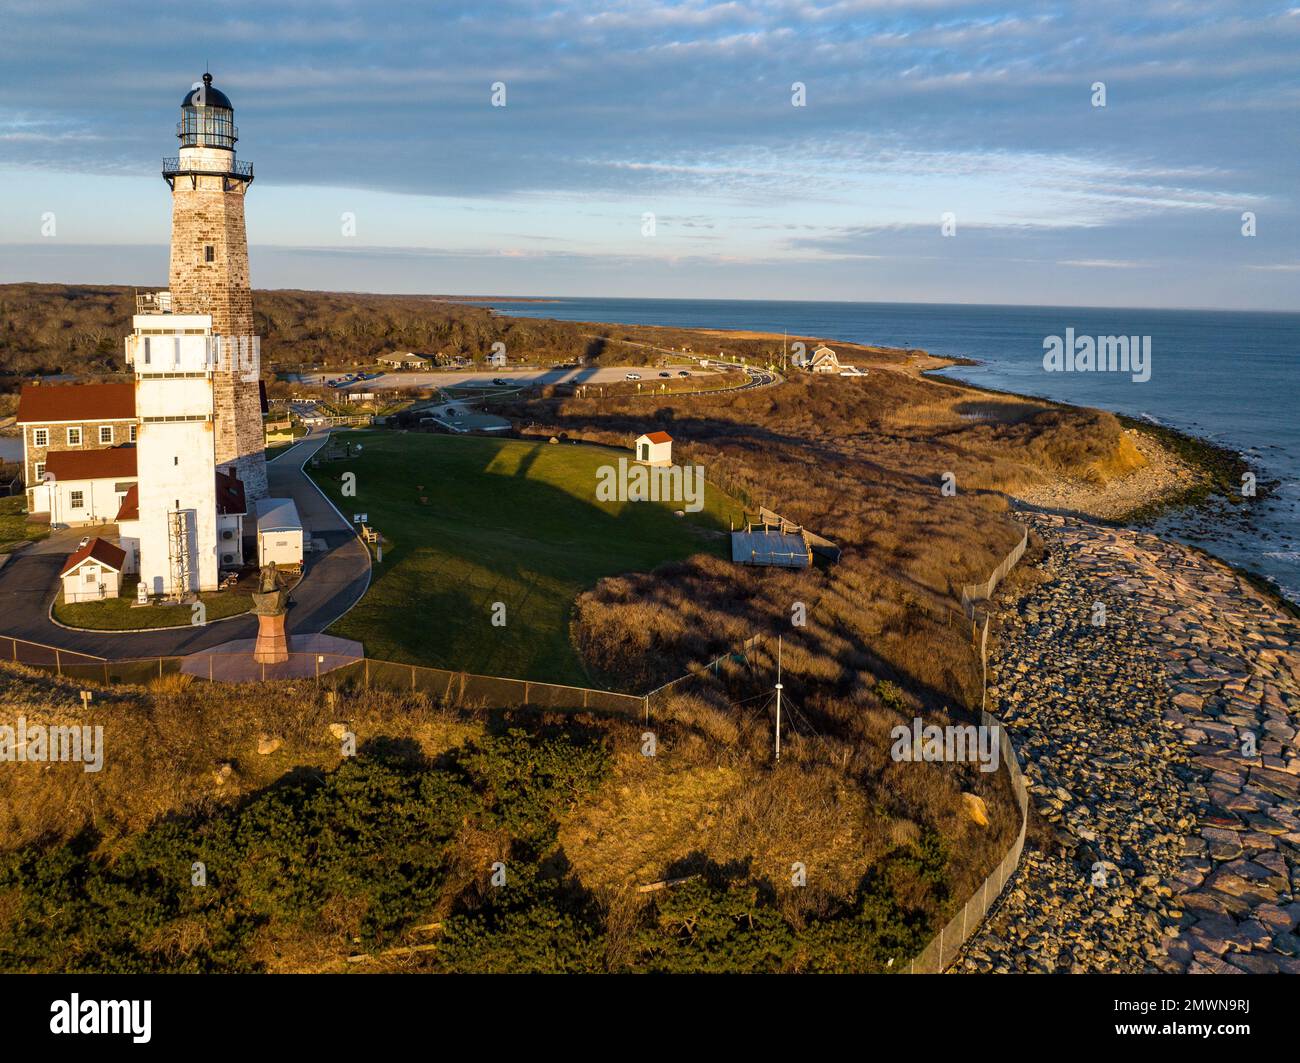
point(778, 697)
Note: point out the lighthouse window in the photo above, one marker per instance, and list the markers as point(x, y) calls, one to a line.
point(146, 350)
point(209, 253)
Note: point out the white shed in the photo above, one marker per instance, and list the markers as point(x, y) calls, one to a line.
point(279, 532)
point(93, 572)
point(654, 448)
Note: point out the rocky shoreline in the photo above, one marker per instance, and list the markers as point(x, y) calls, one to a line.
point(1165, 475)
point(1158, 736)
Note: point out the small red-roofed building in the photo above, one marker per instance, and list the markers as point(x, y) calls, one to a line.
point(93, 572)
point(654, 448)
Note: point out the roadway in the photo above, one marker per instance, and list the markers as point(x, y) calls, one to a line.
point(333, 581)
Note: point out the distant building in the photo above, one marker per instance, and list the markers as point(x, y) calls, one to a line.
point(497, 359)
point(403, 360)
point(654, 448)
point(824, 360)
point(93, 572)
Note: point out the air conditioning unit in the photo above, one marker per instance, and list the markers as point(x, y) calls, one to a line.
point(227, 559)
point(227, 533)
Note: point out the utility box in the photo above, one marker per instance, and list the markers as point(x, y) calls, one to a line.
point(279, 532)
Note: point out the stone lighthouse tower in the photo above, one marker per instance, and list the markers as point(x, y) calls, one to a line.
point(209, 273)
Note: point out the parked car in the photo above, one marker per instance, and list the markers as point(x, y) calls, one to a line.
point(85, 541)
point(683, 372)
point(633, 376)
point(665, 374)
point(500, 380)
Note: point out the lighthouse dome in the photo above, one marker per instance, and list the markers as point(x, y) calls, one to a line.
point(205, 95)
point(207, 118)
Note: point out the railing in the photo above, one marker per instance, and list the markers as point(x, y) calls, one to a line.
point(222, 134)
point(172, 167)
point(39, 655)
point(153, 302)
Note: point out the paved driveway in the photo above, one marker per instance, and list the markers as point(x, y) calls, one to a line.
point(334, 581)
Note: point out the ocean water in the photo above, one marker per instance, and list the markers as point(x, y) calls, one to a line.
point(1227, 376)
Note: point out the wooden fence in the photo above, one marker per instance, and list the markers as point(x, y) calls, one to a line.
point(944, 948)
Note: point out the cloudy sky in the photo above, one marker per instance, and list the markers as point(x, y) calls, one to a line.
point(684, 111)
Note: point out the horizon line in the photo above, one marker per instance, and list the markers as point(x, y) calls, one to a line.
point(551, 298)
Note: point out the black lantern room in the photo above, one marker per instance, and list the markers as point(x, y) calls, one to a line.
point(207, 118)
point(207, 121)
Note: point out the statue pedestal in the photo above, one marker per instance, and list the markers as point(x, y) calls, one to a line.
point(269, 606)
point(272, 642)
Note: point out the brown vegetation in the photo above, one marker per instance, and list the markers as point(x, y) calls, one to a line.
point(708, 799)
point(78, 329)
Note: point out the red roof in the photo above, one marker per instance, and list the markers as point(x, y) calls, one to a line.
point(100, 550)
point(230, 493)
point(91, 464)
point(50, 403)
point(659, 437)
point(130, 507)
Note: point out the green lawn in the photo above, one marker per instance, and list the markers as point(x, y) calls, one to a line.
point(506, 521)
point(120, 614)
point(13, 524)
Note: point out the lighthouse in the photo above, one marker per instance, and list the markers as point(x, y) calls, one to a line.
point(209, 273)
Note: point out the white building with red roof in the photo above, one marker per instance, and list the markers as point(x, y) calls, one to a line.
point(93, 572)
point(72, 419)
point(654, 448)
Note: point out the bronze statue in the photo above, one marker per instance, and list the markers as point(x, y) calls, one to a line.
point(269, 606)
